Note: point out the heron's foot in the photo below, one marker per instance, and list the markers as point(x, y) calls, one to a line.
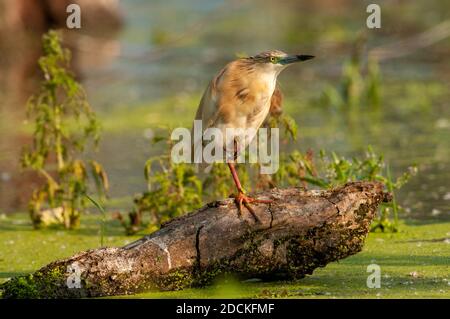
point(243, 200)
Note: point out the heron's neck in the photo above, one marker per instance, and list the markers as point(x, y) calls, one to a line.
point(268, 79)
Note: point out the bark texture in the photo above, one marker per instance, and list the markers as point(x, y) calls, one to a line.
point(298, 232)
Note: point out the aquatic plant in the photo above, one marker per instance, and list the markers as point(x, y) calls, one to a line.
point(63, 124)
point(360, 83)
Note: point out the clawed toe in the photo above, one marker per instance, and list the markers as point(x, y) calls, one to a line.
point(242, 199)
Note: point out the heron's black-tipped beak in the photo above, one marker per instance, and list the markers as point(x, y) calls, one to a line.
point(295, 58)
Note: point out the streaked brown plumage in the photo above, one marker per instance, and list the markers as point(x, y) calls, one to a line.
point(240, 96)
point(276, 102)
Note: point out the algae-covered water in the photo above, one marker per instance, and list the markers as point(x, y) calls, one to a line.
point(152, 73)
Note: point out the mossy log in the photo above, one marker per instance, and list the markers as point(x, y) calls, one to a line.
point(296, 233)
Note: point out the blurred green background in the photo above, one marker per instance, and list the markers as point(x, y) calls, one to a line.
point(147, 63)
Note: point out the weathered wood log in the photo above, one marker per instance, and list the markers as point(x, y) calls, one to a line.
point(298, 232)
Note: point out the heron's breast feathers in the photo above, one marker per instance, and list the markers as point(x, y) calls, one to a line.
point(238, 96)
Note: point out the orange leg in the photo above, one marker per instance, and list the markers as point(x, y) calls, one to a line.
point(241, 198)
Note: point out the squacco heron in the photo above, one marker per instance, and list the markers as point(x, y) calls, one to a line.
point(240, 97)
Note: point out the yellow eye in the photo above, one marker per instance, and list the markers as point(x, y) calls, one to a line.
point(273, 59)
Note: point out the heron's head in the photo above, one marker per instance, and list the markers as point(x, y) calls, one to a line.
point(275, 60)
